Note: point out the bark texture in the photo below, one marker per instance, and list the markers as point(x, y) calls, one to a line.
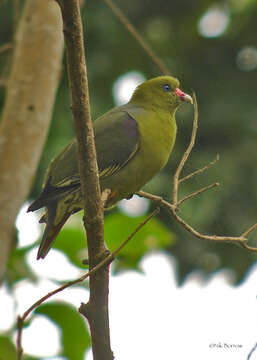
point(27, 110)
point(96, 310)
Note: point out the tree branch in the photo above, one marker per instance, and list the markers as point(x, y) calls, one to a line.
point(199, 171)
point(186, 154)
point(130, 27)
point(97, 307)
point(106, 261)
point(173, 207)
point(190, 196)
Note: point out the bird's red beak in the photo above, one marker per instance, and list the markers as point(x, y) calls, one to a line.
point(183, 96)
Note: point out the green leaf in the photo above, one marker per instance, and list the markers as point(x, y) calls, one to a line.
point(72, 242)
point(154, 235)
point(75, 336)
point(7, 349)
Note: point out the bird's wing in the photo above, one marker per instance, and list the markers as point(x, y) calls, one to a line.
point(116, 140)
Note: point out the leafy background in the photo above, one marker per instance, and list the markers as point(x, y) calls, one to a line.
point(226, 94)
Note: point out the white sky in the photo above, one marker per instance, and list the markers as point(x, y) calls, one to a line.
point(151, 317)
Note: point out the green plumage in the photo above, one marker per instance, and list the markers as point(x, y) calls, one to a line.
point(133, 143)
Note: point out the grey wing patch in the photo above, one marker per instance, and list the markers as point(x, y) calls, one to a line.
point(117, 142)
point(63, 168)
point(109, 171)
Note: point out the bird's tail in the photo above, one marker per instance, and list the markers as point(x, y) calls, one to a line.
point(54, 223)
point(60, 203)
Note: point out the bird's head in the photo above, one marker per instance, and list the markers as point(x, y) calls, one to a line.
point(161, 92)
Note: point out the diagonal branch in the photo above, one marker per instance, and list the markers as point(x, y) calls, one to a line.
point(251, 229)
point(106, 261)
point(199, 171)
point(190, 196)
point(173, 211)
point(130, 27)
point(173, 207)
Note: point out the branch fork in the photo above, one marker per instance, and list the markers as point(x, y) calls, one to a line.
point(173, 207)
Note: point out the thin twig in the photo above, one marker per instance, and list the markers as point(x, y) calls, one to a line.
point(205, 236)
point(252, 228)
point(172, 209)
point(155, 212)
point(252, 351)
point(5, 47)
point(104, 262)
point(247, 247)
point(186, 153)
point(22, 318)
point(190, 196)
point(20, 323)
point(128, 25)
point(199, 171)
point(245, 234)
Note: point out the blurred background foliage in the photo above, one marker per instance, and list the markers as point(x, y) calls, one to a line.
point(211, 47)
point(215, 57)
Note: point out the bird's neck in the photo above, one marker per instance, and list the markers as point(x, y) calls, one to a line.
point(153, 105)
point(144, 100)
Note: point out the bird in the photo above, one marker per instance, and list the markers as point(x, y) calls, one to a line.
point(133, 143)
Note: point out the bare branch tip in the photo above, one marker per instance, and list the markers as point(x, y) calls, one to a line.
point(247, 247)
point(248, 231)
point(105, 196)
point(194, 99)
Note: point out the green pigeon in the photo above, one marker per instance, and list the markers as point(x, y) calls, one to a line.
point(133, 143)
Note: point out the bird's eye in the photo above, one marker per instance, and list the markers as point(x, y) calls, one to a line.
point(166, 87)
